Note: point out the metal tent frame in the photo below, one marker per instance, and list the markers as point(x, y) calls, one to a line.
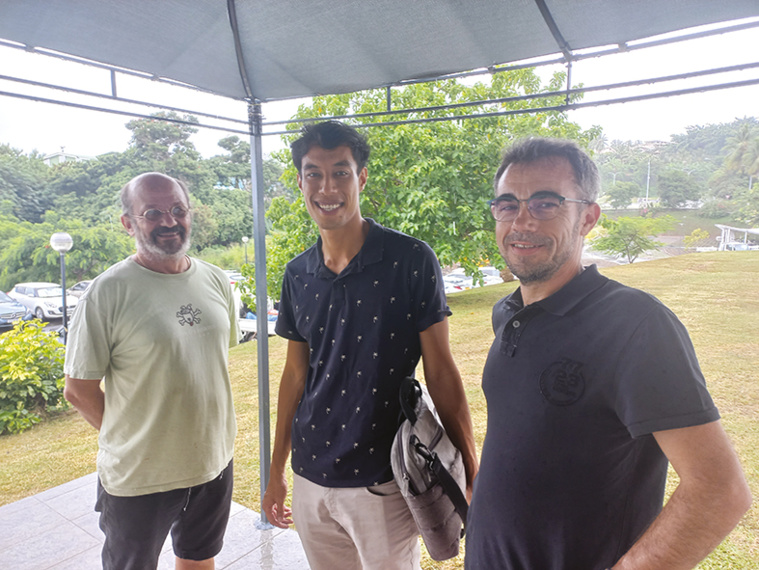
point(570, 32)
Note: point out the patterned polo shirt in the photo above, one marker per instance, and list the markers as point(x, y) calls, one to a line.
point(362, 328)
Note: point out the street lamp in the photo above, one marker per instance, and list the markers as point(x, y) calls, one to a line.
point(245, 244)
point(62, 242)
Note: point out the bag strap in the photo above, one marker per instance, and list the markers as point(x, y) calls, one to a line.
point(410, 393)
point(450, 486)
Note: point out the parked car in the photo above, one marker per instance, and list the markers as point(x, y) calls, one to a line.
point(492, 275)
point(234, 275)
point(456, 282)
point(44, 300)
point(78, 289)
point(11, 311)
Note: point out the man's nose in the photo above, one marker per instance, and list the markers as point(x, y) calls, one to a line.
point(523, 218)
point(168, 219)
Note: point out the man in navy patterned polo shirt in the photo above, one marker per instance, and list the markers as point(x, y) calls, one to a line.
point(359, 308)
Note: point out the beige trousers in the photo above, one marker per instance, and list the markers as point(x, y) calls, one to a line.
point(355, 528)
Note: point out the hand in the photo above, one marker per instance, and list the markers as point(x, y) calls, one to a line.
point(274, 503)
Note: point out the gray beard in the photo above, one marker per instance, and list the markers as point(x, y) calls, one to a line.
point(147, 244)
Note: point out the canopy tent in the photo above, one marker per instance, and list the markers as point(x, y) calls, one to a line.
point(264, 50)
point(259, 51)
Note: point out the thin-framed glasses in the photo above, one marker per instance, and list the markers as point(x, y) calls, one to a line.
point(541, 206)
point(154, 214)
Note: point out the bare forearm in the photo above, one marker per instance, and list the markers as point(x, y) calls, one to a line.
point(454, 413)
point(87, 398)
point(447, 391)
point(686, 531)
point(290, 392)
point(709, 501)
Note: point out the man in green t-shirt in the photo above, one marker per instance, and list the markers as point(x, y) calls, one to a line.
point(154, 330)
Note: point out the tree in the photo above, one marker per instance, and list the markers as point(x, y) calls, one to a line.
point(677, 187)
point(622, 194)
point(26, 254)
point(630, 237)
point(433, 180)
point(697, 236)
point(743, 151)
point(24, 183)
point(162, 144)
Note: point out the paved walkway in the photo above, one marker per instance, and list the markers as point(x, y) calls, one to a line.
point(58, 530)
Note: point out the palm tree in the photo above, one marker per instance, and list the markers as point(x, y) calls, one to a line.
point(743, 152)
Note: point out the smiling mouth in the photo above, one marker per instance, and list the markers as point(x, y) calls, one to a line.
point(524, 246)
point(328, 207)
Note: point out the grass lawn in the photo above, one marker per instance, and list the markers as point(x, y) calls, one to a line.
point(685, 221)
point(716, 295)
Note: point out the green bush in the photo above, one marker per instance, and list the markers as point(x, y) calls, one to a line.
point(31, 375)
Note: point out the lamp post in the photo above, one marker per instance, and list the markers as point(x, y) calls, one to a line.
point(62, 242)
point(245, 244)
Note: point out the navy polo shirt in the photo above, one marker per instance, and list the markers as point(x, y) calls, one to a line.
point(362, 328)
point(570, 475)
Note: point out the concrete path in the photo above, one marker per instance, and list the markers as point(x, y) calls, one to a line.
point(58, 530)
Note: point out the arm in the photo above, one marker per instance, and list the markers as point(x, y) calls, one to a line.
point(290, 392)
point(708, 502)
point(87, 397)
point(447, 392)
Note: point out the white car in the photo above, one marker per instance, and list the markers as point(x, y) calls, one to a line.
point(44, 300)
point(78, 289)
point(492, 275)
point(456, 282)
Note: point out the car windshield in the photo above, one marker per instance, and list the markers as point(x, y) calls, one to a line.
point(50, 292)
point(4, 298)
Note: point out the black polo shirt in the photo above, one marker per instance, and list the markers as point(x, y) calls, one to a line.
point(576, 384)
point(362, 328)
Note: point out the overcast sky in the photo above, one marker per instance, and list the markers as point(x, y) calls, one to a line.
point(30, 125)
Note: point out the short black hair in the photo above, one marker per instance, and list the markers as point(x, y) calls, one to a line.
point(534, 149)
point(329, 135)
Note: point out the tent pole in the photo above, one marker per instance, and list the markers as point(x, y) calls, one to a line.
point(255, 119)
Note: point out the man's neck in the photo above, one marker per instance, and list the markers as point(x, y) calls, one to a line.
point(163, 265)
point(534, 292)
point(342, 245)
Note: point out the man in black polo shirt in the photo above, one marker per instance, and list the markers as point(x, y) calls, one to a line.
point(591, 388)
point(358, 308)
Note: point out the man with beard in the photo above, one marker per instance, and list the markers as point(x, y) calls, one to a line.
point(592, 387)
point(155, 330)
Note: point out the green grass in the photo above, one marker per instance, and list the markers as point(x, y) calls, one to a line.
point(716, 295)
point(685, 221)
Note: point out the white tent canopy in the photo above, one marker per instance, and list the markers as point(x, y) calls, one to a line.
point(264, 50)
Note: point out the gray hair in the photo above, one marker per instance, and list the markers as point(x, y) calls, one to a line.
point(534, 149)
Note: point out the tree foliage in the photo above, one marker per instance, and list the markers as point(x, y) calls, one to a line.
point(432, 180)
point(622, 194)
point(630, 237)
point(676, 188)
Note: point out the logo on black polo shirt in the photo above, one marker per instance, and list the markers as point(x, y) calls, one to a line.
point(562, 383)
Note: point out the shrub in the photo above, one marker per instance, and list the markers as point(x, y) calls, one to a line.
point(31, 375)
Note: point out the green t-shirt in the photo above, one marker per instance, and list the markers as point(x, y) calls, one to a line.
point(160, 344)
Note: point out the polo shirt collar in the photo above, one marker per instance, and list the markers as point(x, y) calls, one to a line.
point(370, 252)
point(569, 296)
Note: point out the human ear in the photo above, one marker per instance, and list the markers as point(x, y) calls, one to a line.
point(589, 217)
point(126, 221)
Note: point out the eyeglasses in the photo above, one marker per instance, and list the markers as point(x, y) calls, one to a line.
point(541, 206)
point(154, 214)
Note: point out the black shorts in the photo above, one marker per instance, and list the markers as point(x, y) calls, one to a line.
point(136, 527)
